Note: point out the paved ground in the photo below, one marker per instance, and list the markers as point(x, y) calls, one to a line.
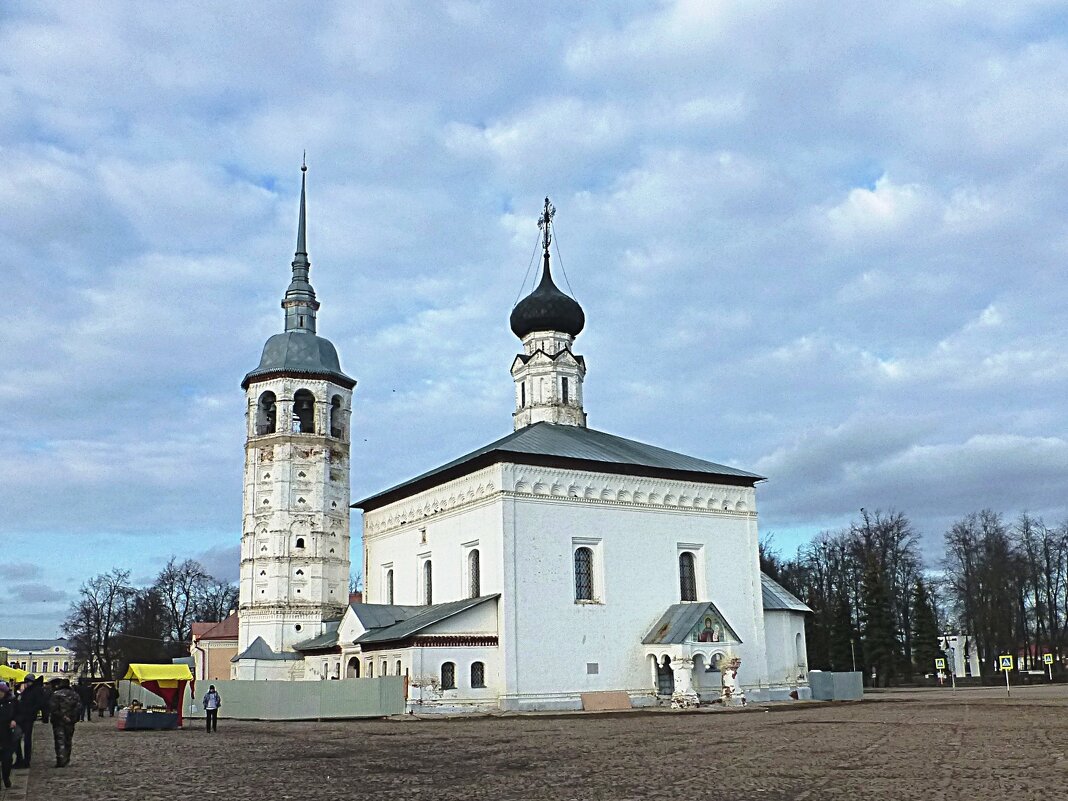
point(929, 745)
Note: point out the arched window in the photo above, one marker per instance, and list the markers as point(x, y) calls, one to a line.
point(398, 667)
point(478, 674)
point(687, 577)
point(385, 668)
point(303, 412)
point(474, 579)
point(300, 542)
point(583, 574)
point(389, 586)
point(448, 676)
point(354, 668)
point(370, 668)
point(266, 414)
point(337, 430)
point(428, 583)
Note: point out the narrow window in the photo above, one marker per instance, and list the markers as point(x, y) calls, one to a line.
point(265, 414)
point(370, 669)
point(336, 429)
point(563, 389)
point(478, 674)
point(687, 577)
point(474, 580)
point(300, 542)
point(66, 665)
point(448, 676)
point(398, 667)
point(389, 586)
point(304, 412)
point(385, 668)
point(523, 394)
point(301, 321)
point(428, 583)
point(583, 574)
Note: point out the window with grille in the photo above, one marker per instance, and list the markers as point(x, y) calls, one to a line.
point(583, 574)
point(474, 580)
point(389, 586)
point(448, 676)
point(428, 583)
point(478, 674)
point(687, 577)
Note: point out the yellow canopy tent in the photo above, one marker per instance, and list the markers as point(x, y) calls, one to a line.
point(166, 681)
point(8, 673)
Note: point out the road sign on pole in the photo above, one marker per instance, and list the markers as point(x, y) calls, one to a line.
point(1048, 660)
point(1005, 664)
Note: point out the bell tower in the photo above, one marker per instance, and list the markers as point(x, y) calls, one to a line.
point(295, 538)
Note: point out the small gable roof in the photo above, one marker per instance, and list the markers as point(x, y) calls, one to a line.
point(225, 629)
point(328, 639)
point(575, 447)
point(779, 599)
point(425, 617)
point(259, 649)
point(679, 620)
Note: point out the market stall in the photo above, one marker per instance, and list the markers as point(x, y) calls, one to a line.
point(166, 681)
point(11, 675)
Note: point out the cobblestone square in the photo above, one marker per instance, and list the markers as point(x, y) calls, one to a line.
point(929, 745)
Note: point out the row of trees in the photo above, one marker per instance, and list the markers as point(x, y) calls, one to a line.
point(878, 608)
point(113, 623)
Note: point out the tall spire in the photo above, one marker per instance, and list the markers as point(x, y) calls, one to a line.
point(299, 301)
point(302, 224)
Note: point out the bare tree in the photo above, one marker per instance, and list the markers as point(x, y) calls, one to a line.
point(182, 587)
point(95, 620)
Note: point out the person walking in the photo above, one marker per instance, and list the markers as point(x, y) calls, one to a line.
point(8, 710)
point(84, 691)
point(31, 701)
point(113, 699)
point(65, 710)
point(212, 702)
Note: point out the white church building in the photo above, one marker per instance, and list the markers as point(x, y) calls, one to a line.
point(554, 562)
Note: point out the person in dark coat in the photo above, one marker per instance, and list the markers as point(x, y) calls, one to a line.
point(30, 703)
point(113, 700)
point(65, 710)
point(8, 709)
point(84, 691)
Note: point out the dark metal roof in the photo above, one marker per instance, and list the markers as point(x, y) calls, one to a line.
point(328, 639)
point(299, 352)
point(778, 598)
point(679, 620)
point(426, 616)
point(551, 444)
point(32, 645)
point(379, 616)
point(547, 309)
point(259, 649)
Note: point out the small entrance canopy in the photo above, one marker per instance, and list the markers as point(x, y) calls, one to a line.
point(166, 681)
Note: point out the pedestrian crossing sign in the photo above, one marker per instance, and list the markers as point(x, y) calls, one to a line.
point(940, 664)
point(1005, 662)
point(1047, 659)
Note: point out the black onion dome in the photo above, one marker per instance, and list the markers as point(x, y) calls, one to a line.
point(547, 309)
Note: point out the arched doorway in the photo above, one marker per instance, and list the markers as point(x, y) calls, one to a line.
point(353, 669)
point(665, 677)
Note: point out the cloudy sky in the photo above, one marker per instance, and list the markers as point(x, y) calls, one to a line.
point(815, 242)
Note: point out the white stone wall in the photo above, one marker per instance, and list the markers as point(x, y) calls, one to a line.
point(295, 542)
point(526, 523)
point(539, 381)
point(785, 644)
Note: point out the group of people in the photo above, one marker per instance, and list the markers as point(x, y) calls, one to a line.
point(56, 702)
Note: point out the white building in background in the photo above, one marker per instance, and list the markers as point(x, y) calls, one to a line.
point(52, 659)
point(556, 561)
point(962, 655)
